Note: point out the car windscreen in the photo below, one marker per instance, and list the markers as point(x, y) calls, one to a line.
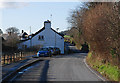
point(44, 49)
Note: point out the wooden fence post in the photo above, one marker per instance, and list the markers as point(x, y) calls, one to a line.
point(10, 58)
point(14, 56)
point(20, 55)
point(4, 59)
point(7, 58)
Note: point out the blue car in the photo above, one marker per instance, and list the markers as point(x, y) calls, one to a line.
point(44, 52)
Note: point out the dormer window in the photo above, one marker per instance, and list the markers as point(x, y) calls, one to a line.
point(40, 37)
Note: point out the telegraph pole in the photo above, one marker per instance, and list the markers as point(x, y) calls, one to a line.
point(30, 30)
point(51, 17)
point(55, 36)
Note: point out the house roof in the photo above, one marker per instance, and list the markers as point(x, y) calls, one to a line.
point(57, 33)
point(23, 35)
point(38, 31)
point(41, 31)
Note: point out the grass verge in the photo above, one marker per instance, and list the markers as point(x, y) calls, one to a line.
point(109, 71)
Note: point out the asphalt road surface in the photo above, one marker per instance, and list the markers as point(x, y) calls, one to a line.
point(70, 68)
point(59, 68)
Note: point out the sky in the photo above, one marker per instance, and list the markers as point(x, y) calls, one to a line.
point(24, 15)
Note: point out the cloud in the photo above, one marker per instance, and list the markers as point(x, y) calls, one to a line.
point(13, 4)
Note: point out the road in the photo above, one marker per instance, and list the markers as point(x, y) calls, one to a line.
point(59, 68)
point(70, 68)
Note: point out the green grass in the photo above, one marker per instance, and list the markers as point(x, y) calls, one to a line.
point(70, 38)
point(89, 54)
point(110, 71)
point(67, 36)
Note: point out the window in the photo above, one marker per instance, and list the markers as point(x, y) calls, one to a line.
point(40, 37)
point(24, 46)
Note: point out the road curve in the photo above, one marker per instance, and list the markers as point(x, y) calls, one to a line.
point(70, 68)
point(58, 68)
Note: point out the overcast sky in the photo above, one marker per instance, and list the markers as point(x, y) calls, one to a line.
point(26, 14)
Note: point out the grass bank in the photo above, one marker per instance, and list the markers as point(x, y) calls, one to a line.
point(108, 70)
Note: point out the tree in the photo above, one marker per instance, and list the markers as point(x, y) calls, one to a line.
point(12, 39)
point(76, 22)
point(12, 42)
point(1, 32)
point(12, 30)
point(98, 25)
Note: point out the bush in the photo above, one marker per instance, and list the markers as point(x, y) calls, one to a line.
point(98, 25)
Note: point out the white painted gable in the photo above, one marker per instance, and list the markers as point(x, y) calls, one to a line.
point(50, 38)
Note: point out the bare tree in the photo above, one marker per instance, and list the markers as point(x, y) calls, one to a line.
point(76, 22)
point(1, 32)
point(97, 24)
point(12, 30)
point(12, 41)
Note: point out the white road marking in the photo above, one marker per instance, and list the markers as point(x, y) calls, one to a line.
point(93, 71)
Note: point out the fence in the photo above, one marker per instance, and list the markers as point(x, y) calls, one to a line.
point(10, 58)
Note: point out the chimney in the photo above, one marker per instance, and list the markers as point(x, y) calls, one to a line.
point(22, 31)
point(47, 24)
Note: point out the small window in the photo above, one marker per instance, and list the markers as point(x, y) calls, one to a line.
point(24, 46)
point(40, 37)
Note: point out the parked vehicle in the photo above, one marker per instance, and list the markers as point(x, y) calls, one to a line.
point(56, 51)
point(44, 52)
point(52, 50)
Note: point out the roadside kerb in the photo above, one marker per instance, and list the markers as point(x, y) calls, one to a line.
point(10, 75)
point(94, 71)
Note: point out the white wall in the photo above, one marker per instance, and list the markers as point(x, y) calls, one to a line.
point(49, 39)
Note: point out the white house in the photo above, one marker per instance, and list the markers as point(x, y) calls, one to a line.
point(44, 37)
